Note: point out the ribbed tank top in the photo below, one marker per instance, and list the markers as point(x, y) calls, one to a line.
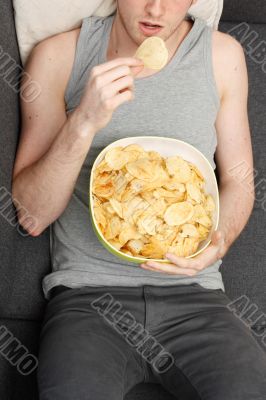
point(180, 101)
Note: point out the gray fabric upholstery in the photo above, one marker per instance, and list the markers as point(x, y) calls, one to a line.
point(25, 260)
point(243, 267)
point(14, 385)
point(245, 10)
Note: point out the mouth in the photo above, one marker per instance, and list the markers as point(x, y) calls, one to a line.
point(149, 28)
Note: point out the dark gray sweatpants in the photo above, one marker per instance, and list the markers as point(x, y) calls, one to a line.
point(97, 343)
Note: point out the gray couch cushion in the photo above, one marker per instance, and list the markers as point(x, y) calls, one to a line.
point(13, 384)
point(253, 11)
point(243, 267)
point(23, 259)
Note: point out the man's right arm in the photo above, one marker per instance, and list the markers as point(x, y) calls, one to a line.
point(53, 146)
point(51, 149)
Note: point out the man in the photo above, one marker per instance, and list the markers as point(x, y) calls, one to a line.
point(94, 92)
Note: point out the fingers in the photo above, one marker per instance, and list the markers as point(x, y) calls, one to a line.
point(113, 88)
point(116, 101)
point(112, 79)
point(121, 61)
point(182, 265)
point(112, 75)
point(169, 269)
point(136, 70)
point(182, 262)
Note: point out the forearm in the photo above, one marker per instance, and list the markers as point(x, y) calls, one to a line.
point(44, 188)
point(236, 204)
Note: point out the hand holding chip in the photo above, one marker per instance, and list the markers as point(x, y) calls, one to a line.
point(191, 266)
point(109, 85)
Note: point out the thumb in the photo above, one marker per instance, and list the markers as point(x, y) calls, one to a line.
point(136, 70)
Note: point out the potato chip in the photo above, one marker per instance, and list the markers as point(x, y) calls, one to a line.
point(128, 232)
point(103, 177)
point(177, 248)
point(201, 216)
point(194, 168)
point(178, 213)
point(115, 243)
point(172, 200)
point(117, 206)
point(135, 246)
point(102, 167)
point(132, 205)
point(146, 205)
point(113, 227)
point(178, 168)
point(209, 204)
point(167, 237)
point(154, 249)
point(147, 223)
point(153, 52)
point(160, 192)
point(189, 246)
point(188, 230)
point(172, 184)
point(106, 190)
point(116, 158)
point(194, 192)
point(134, 147)
point(141, 168)
point(203, 231)
point(100, 217)
point(154, 155)
point(158, 206)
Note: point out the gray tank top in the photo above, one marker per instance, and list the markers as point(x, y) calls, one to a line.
point(180, 101)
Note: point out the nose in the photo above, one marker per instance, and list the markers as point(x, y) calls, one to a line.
point(154, 8)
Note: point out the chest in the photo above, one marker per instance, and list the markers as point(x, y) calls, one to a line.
point(218, 73)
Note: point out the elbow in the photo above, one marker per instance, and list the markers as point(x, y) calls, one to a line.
point(36, 231)
point(27, 224)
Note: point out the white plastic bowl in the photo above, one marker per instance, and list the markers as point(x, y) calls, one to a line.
point(166, 147)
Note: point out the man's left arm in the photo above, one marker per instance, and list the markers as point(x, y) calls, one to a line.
point(233, 159)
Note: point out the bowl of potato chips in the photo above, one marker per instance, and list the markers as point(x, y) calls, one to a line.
point(150, 195)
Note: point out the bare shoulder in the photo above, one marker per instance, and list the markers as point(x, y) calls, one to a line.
point(55, 56)
point(228, 60)
point(224, 41)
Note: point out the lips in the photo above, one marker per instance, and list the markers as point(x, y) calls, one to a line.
point(149, 28)
point(151, 23)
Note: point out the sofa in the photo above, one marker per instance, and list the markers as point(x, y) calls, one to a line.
point(25, 260)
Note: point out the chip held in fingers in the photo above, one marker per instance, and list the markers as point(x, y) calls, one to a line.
point(153, 52)
point(146, 205)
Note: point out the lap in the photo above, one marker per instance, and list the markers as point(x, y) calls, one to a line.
point(215, 354)
point(83, 357)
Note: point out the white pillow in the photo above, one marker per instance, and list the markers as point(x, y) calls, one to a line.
point(209, 10)
point(36, 20)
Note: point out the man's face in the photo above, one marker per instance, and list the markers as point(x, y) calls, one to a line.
point(134, 14)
